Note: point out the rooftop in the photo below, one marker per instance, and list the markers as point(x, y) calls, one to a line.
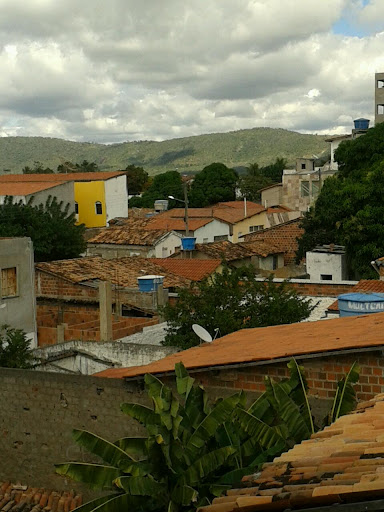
point(195, 270)
point(128, 235)
point(24, 189)
point(342, 464)
point(120, 272)
point(267, 344)
point(176, 224)
point(21, 497)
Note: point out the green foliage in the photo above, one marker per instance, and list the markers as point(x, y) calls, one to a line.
point(51, 227)
point(230, 301)
point(349, 210)
point(137, 178)
point(38, 168)
point(194, 450)
point(186, 154)
point(15, 351)
point(84, 166)
point(260, 177)
point(162, 186)
point(215, 183)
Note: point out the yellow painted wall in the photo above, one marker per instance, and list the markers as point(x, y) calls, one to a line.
point(243, 226)
point(86, 195)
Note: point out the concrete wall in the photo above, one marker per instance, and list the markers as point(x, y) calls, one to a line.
point(207, 233)
point(19, 311)
point(167, 245)
point(111, 251)
point(320, 264)
point(63, 192)
point(272, 196)
point(379, 97)
point(116, 197)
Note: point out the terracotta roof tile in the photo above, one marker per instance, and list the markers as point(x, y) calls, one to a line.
point(21, 497)
point(71, 176)
point(122, 271)
point(363, 286)
point(321, 468)
point(24, 189)
point(226, 249)
point(270, 343)
point(128, 235)
point(195, 270)
point(176, 224)
point(261, 248)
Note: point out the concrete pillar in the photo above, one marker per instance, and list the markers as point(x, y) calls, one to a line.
point(61, 332)
point(105, 307)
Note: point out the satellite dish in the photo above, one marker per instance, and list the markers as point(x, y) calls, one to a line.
point(202, 333)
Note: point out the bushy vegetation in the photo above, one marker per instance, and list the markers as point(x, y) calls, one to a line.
point(230, 301)
point(257, 178)
point(349, 210)
point(15, 351)
point(215, 183)
point(186, 154)
point(51, 227)
point(194, 450)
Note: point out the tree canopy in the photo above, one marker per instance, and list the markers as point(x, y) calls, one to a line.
point(163, 185)
point(215, 183)
point(349, 210)
point(38, 168)
point(51, 227)
point(230, 301)
point(15, 351)
point(137, 179)
point(260, 177)
point(84, 166)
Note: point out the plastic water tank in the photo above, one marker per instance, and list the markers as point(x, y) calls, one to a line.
point(361, 124)
point(188, 243)
point(149, 283)
point(353, 304)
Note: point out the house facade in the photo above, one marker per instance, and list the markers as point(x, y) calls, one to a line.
point(38, 192)
point(17, 294)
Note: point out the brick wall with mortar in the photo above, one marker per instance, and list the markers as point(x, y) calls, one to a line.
point(39, 411)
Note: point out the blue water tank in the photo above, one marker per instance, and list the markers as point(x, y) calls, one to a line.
point(361, 124)
point(149, 283)
point(353, 304)
point(188, 243)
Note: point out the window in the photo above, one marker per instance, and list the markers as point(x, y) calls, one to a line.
point(275, 262)
point(164, 252)
point(98, 208)
point(380, 109)
point(76, 208)
point(259, 227)
point(220, 238)
point(304, 188)
point(315, 188)
point(380, 84)
point(205, 240)
point(326, 277)
point(8, 283)
point(303, 166)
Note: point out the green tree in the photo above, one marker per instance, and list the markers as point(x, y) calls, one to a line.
point(137, 179)
point(163, 185)
point(194, 450)
point(230, 301)
point(15, 351)
point(86, 166)
point(349, 210)
point(51, 227)
point(215, 183)
point(38, 168)
point(260, 177)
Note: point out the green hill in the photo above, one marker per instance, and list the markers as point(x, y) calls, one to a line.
point(261, 145)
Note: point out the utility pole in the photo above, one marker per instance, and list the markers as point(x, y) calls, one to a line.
point(186, 208)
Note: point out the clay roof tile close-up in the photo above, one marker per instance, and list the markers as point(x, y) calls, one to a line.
point(16, 497)
point(195, 270)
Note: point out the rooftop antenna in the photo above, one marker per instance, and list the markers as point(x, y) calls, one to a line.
point(202, 333)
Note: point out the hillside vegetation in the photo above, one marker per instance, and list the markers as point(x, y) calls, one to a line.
point(234, 149)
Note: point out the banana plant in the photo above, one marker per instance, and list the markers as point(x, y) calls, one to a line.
point(194, 450)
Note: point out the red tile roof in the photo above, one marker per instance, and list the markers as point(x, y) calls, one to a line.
point(195, 270)
point(363, 286)
point(70, 176)
point(24, 189)
point(21, 497)
point(128, 235)
point(175, 224)
point(271, 343)
point(344, 463)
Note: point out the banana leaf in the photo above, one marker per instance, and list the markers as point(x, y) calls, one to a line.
point(184, 382)
point(291, 415)
point(220, 413)
point(184, 495)
point(299, 392)
point(135, 447)
point(107, 451)
point(196, 408)
point(266, 435)
point(160, 394)
point(345, 399)
point(115, 503)
point(205, 465)
point(141, 413)
point(96, 475)
point(141, 486)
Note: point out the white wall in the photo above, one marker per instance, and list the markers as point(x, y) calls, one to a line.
point(207, 233)
point(167, 245)
point(326, 264)
point(116, 197)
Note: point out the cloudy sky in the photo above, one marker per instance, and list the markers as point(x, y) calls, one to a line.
point(123, 70)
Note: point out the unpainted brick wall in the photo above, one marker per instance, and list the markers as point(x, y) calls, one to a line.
point(39, 411)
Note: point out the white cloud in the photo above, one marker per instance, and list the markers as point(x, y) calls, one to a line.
point(127, 70)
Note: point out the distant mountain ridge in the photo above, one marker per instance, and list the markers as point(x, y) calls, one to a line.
point(234, 149)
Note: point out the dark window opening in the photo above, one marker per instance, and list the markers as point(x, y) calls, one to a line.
point(275, 262)
point(76, 208)
point(303, 166)
point(326, 277)
point(99, 208)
